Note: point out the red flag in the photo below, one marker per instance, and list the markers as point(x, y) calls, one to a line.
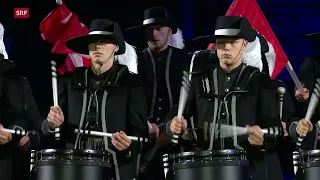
point(58, 27)
point(251, 10)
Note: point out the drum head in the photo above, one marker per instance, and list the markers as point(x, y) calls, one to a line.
point(225, 152)
point(315, 152)
point(73, 156)
point(310, 158)
point(227, 157)
point(72, 151)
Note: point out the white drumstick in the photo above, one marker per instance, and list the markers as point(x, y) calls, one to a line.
point(165, 160)
point(311, 108)
point(59, 2)
point(149, 125)
point(281, 91)
point(184, 90)
point(226, 130)
point(184, 93)
point(55, 93)
point(296, 161)
point(32, 159)
point(16, 132)
point(103, 134)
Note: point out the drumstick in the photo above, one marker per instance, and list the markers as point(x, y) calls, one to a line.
point(311, 108)
point(32, 159)
point(166, 166)
point(281, 91)
point(16, 131)
point(227, 129)
point(184, 90)
point(55, 93)
point(149, 125)
point(103, 134)
point(296, 161)
point(186, 78)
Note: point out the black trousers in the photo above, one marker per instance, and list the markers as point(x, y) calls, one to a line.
point(14, 168)
point(299, 174)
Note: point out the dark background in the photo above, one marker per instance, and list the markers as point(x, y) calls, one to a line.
point(289, 19)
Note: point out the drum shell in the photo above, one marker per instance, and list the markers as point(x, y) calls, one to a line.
point(310, 163)
point(72, 165)
point(211, 165)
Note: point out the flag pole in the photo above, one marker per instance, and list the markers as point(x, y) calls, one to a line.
point(293, 75)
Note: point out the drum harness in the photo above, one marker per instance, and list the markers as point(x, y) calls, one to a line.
point(103, 117)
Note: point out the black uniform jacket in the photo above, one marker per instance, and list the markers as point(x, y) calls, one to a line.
point(18, 111)
point(125, 110)
point(161, 76)
point(258, 105)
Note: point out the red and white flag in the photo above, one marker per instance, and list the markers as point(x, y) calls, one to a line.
point(58, 27)
point(251, 10)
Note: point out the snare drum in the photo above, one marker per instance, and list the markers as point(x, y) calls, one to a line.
point(53, 164)
point(211, 165)
point(310, 163)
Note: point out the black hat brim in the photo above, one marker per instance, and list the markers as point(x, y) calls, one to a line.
point(80, 44)
point(142, 27)
point(314, 37)
point(206, 40)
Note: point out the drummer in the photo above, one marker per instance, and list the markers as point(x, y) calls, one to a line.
point(309, 72)
point(105, 97)
point(212, 98)
point(18, 111)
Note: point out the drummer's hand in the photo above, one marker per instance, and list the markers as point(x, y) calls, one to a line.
point(302, 94)
point(284, 126)
point(154, 132)
point(5, 137)
point(178, 125)
point(120, 140)
point(55, 117)
point(24, 143)
point(256, 136)
point(304, 127)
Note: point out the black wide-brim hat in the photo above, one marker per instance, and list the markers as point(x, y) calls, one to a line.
point(155, 16)
point(229, 27)
point(100, 30)
point(314, 37)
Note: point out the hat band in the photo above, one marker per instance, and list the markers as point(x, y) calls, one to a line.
point(152, 20)
point(100, 32)
point(226, 32)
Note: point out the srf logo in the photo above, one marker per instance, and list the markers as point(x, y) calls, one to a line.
point(21, 12)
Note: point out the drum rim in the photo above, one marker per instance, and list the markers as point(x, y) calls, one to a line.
point(70, 151)
point(210, 153)
point(311, 152)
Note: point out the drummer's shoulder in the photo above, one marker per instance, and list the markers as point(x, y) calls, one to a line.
point(70, 75)
point(130, 79)
point(181, 53)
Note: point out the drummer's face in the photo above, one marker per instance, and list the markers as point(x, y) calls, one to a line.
point(230, 50)
point(157, 37)
point(102, 52)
